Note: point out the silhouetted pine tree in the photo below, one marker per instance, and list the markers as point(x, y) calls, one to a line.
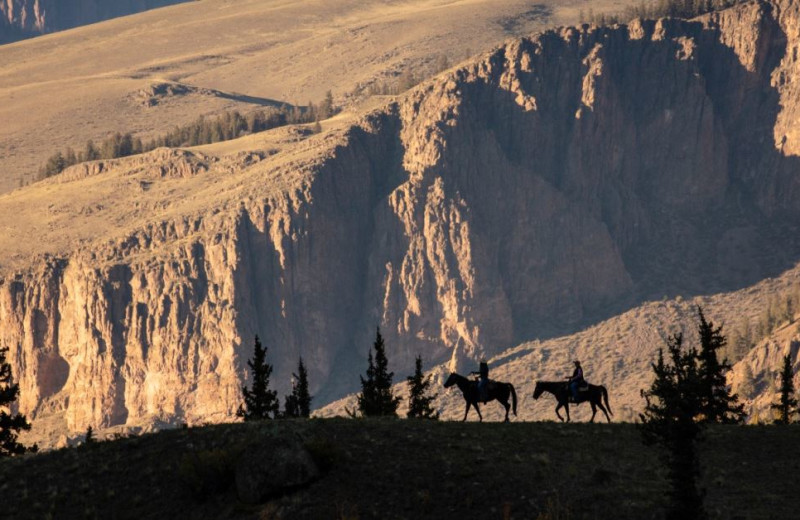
point(301, 391)
point(376, 397)
point(260, 402)
point(670, 419)
point(290, 407)
point(718, 405)
point(787, 405)
point(10, 425)
point(419, 402)
point(298, 403)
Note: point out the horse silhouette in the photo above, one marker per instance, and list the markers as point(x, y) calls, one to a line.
point(495, 390)
point(560, 390)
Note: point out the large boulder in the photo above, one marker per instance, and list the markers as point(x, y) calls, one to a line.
point(273, 468)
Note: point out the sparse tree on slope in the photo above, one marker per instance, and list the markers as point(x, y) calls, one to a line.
point(376, 397)
point(301, 391)
point(670, 419)
point(259, 402)
point(326, 107)
point(718, 405)
point(91, 153)
point(787, 405)
point(419, 402)
point(298, 403)
point(10, 425)
point(290, 407)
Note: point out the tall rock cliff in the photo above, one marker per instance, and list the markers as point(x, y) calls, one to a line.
point(757, 377)
point(552, 183)
point(25, 18)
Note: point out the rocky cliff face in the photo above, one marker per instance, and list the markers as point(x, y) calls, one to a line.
point(757, 377)
point(552, 183)
point(25, 18)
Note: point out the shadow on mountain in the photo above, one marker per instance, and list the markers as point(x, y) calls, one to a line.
point(253, 100)
point(647, 169)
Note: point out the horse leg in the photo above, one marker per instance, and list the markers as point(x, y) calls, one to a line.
point(603, 408)
point(594, 412)
point(566, 408)
point(480, 417)
point(558, 414)
point(508, 407)
point(466, 412)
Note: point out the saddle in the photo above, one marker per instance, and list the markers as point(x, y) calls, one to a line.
point(491, 384)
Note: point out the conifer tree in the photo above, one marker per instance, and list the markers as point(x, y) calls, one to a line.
point(290, 407)
point(259, 402)
point(301, 390)
point(89, 436)
point(376, 397)
point(91, 153)
point(718, 404)
point(298, 403)
point(787, 405)
point(673, 405)
point(326, 107)
point(10, 425)
point(419, 402)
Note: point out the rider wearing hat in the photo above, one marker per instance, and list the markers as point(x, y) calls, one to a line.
point(576, 380)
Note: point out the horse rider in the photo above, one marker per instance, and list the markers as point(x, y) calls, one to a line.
point(576, 380)
point(483, 380)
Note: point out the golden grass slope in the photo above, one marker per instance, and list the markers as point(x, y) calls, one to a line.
point(62, 89)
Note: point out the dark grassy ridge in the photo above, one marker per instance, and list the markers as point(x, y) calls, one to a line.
point(406, 469)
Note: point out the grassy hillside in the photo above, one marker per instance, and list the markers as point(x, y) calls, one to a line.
point(405, 469)
point(87, 83)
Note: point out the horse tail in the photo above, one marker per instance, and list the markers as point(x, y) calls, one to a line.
point(605, 397)
point(513, 397)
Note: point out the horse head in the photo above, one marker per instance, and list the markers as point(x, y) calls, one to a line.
point(537, 392)
point(450, 380)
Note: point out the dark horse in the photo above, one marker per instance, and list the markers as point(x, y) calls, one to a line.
point(560, 389)
point(494, 390)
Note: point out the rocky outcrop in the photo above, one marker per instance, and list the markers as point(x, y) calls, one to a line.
point(552, 183)
point(757, 377)
point(25, 18)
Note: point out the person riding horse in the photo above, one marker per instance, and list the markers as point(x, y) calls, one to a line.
point(483, 380)
point(576, 380)
point(497, 390)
